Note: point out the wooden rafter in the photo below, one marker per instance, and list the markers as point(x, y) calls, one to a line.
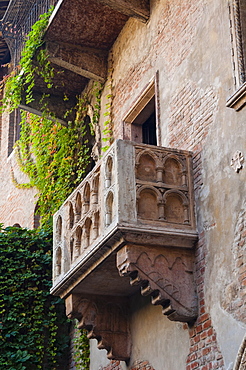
point(133, 8)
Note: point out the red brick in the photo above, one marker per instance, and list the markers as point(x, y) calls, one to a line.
point(194, 365)
point(204, 334)
point(202, 302)
point(199, 328)
point(192, 357)
point(206, 350)
point(243, 282)
point(207, 324)
point(202, 310)
point(197, 338)
point(201, 344)
point(194, 348)
point(204, 317)
point(242, 269)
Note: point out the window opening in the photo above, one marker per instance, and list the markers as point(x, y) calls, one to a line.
point(149, 130)
point(90, 141)
point(36, 218)
point(238, 38)
point(237, 11)
point(142, 122)
point(14, 129)
point(143, 127)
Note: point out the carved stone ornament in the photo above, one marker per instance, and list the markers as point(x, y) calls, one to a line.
point(167, 277)
point(240, 363)
point(105, 319)
point(237, 161)
point(137, 204)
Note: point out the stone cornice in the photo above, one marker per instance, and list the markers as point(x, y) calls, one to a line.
point(238, 99)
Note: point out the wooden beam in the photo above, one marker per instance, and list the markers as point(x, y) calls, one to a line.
point(80, 71)
point(139, 9)
point(87, 62)
point(56, 105)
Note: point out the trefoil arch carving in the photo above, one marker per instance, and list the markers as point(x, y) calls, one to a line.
point(78, 207)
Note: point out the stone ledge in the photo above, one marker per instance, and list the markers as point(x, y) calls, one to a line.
point(112, 242)
point(238, 99)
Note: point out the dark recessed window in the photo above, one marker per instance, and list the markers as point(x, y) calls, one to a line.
point(149, 130)
point(14, 129)
point(141, 124)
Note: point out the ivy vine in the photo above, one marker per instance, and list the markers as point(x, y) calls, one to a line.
point(55, 158)
point(33, 325)
point(108, 123)
point(81, 349)
point(22, 79)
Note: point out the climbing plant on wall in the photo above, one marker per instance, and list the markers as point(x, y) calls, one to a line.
point(55, 156)
point(21, 80)
point(81, 349)
point(108, 123)
point(33, 330)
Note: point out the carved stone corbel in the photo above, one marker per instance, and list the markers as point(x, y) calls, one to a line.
point(105, 319)
point(165, 274)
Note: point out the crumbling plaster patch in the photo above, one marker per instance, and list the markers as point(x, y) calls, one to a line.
point(234, 297)
point(229, 344)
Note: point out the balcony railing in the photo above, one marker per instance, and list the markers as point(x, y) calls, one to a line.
point(138, 193)
point(18, 21)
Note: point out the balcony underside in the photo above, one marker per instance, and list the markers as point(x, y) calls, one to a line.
point(60, 99)
point(78, 39)
point(86, 275)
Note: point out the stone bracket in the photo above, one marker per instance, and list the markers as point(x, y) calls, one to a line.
point(106, 319)
point(164, 274)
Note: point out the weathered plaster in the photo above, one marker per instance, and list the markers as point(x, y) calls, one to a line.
point(156, 339)
point(229, 343)
point(16, 206)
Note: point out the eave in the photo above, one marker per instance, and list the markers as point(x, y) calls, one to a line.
point(81, 33)
point(78, 39)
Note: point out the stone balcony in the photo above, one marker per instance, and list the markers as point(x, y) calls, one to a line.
point(133, 215)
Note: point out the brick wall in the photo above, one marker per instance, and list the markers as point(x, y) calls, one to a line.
point(204, 351)
point(191, 116)
point(176, 31)
point(191, 112)
point(167, 43)
point(142, 365)
point(113, 365)
point(138, 365)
